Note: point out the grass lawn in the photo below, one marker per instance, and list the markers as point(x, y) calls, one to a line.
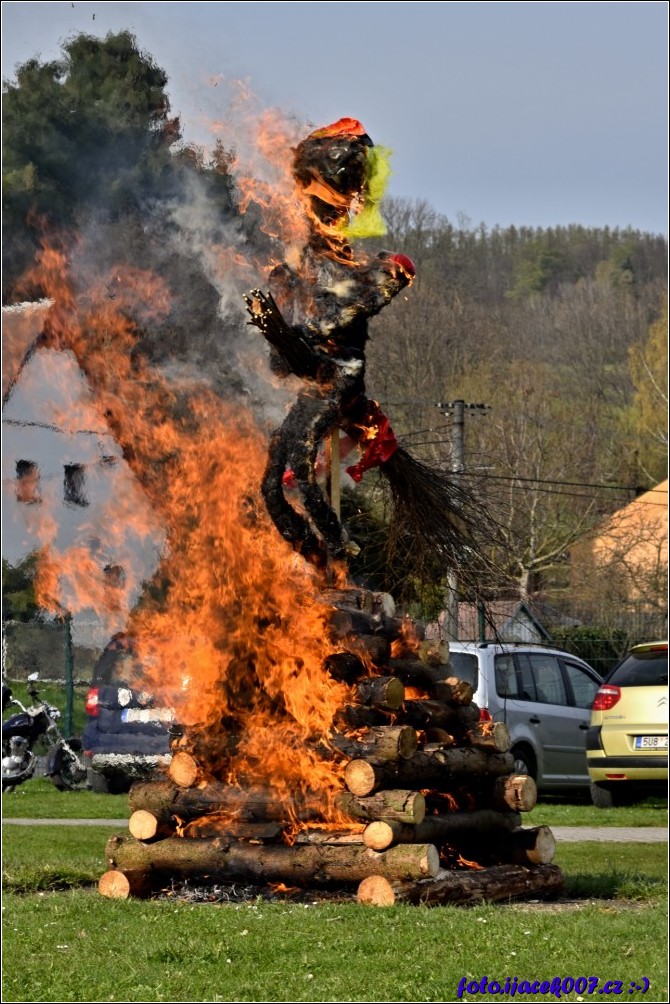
point(64, 942)
point(38, 799)
point(555, 811)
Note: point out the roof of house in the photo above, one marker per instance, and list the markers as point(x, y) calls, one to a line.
point(502, 620)
point(640, 529)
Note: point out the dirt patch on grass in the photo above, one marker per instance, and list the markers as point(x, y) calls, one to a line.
point(574, 905)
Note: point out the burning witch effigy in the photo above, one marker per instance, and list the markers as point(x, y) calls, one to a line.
point(315, 318)
point(342, 752)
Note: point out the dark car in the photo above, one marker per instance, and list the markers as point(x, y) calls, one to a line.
point(126, 736)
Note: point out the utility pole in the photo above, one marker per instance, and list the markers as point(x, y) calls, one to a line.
point(450, 630)
point(457, 409)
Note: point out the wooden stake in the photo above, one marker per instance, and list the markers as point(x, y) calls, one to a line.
point(335, 481)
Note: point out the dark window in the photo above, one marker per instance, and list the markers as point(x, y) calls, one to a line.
point(74, 484)
point(527, 692)
point(507, 683)
point(465, 667)
point(549, 683)
point(583, 686)
point(642, 669)
point(27, 482)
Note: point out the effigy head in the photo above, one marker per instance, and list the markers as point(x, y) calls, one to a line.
point(330, 163)
point(339, 169)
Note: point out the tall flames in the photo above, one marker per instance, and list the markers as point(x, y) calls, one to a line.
point(229, 632)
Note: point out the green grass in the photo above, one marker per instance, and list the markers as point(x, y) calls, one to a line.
point(40, 858)
point(72, 945)
point(553, 811)
point(38, 799)
point(78, 947)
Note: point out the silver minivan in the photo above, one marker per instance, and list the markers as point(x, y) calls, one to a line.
point(543, 695)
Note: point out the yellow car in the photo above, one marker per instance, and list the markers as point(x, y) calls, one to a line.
point(627, 743)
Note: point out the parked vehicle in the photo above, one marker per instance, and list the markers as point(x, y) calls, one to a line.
point(544, 696)
point(126, 737)
point(21, 734)
point(627, 743)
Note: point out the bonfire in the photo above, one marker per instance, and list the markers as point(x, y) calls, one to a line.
point(321, 741)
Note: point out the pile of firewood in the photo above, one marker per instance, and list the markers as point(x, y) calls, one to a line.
point(431, 810)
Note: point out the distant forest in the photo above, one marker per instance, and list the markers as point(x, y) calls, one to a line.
point(561, 334)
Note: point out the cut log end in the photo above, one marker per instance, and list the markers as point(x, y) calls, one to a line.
point(143, 825)
point(359, 777)
point(379, 835)
point(184, 770)
point(375, 890)
point(115, 884)
point(517, 792)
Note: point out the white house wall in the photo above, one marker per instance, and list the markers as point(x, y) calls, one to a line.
point(50, 420)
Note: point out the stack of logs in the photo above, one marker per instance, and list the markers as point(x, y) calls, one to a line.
point(431, 808)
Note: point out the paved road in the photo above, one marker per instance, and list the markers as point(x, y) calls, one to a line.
point(617, 834)
point(563, 834)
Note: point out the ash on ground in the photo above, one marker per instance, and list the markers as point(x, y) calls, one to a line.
point(236, 892)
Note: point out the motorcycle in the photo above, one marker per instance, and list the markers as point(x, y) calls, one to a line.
point(23, 731)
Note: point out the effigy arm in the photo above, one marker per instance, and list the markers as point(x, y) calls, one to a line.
point(300, 358)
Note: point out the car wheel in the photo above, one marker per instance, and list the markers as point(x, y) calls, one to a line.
point(602, 798)
point(98, 782)
point(524, 761)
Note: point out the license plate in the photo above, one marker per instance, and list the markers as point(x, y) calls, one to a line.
point(147, 715)
point(651, 742)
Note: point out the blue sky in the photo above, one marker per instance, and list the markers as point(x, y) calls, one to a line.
point(504, 113)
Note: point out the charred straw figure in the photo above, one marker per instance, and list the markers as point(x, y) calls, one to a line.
point(315, 318)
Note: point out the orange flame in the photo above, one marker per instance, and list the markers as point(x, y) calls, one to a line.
point(230, 631)
point(279, 887)
point(464, 863)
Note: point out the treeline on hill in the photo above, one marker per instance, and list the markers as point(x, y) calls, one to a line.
point(561, 332)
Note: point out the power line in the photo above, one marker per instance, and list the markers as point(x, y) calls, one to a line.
point(543, 481)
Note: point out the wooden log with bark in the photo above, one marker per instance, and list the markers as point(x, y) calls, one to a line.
point(425, 769)
point(439, 830)
point(412, 671)
point(372, 650)
point(380, 744)
point(515, 791)
point(230, 829)
point(322, 835)
point(424, 714)
point(306, 864)
point(115, 884)
point(166, 801)
point(532, 845)
point(489, 736)
point(360, 599)
point(345, 667)
point(436, 680)
point(392, 804)
point(496, 884)
point(358, 716)
point(347, 621)
point(454, 691)
point(385, 692)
